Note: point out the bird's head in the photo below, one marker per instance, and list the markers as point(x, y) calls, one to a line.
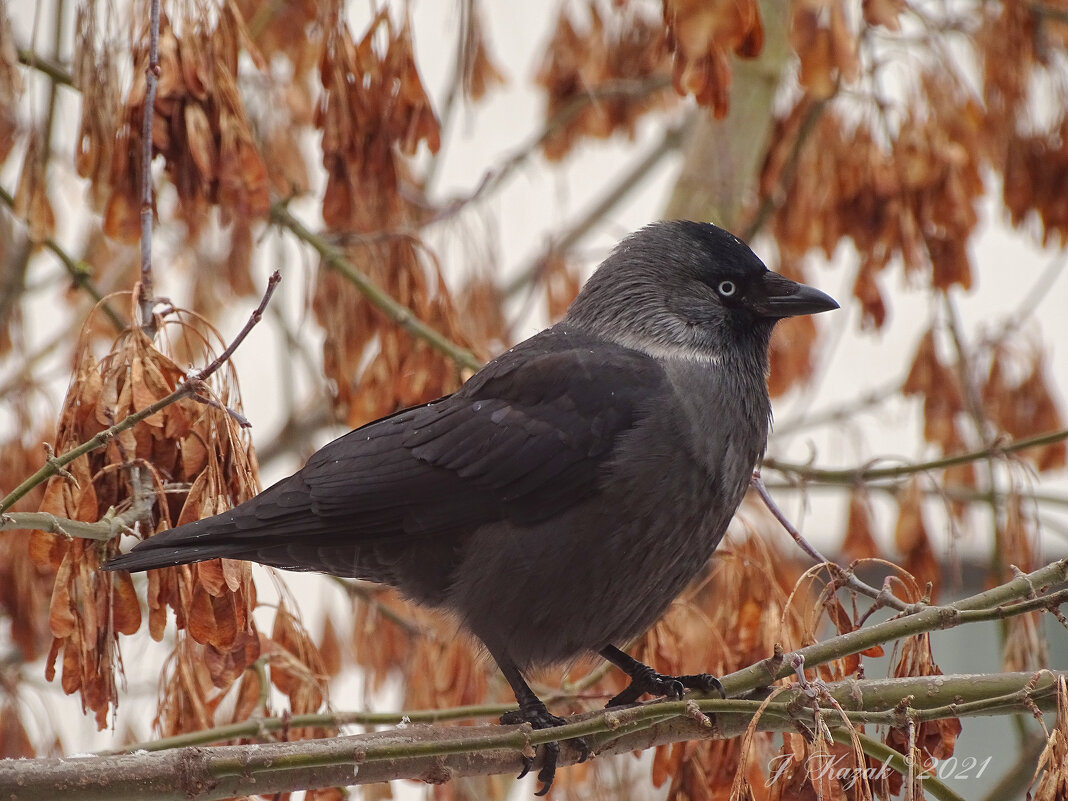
point(689, 290)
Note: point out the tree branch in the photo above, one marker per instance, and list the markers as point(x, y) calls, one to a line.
point(51, 67)
point(147, 296)
point(438, 754)
point(857, 475)
point(400, 314)
point(990, 605)
point(847, 577)
point(78, 270)
point(669, 143)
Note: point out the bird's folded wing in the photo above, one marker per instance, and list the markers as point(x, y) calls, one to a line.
point(523, 440)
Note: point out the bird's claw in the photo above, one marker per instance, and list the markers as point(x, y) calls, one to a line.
point(661, 686)
point(540, 718)
point(703, 682)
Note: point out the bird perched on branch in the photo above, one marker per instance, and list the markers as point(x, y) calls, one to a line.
point(567, 493)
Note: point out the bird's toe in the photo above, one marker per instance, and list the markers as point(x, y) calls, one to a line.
point(703, 682)
point(541, 718)
point(656, 684)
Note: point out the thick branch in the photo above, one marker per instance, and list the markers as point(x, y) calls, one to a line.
point(438, 754)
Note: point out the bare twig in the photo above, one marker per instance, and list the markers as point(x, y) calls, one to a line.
point(607, 90)
point(840, 412)
point(147, 293)
point(774, 199)
point(254, 318)
point(108, 527)
point(953, 492)
point(78, 270)
point(855, 475)
point(989, 605)
point(452, 92)
point(846, 577)
point(51, 67)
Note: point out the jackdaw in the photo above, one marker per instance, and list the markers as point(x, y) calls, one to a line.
point(568, 491)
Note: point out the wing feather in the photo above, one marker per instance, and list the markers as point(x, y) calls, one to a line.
point(523, 440)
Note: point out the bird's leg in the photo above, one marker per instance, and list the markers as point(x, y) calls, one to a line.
point(643, 679)
point(532, 710)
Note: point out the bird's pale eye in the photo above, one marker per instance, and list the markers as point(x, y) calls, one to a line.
point(726, 288)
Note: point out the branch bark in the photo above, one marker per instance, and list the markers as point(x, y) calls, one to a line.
point(437, 754)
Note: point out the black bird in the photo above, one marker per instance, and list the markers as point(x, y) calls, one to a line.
point(567, 493)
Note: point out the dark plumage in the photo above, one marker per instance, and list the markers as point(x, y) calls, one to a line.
point(561, 498)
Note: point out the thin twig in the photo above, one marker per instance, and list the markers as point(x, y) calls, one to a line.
point(847, 577)
point(772, 200)
point(147, 297)
point(257, 315)
point(991, 605)
point(452, 93)
point(838, 413)
point(953, 492)
point(51, 67)
point(856, 475)
point(78, 270)
point(611, 197)
point(622, 88)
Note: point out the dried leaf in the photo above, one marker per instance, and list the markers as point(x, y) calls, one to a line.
point(31, 202)
point(125, 608)
point(10, 86)
point(61, 618)
point(884, 13)
point(702, 35)
point(859, 541)
point(478, 72)
point(912, 539)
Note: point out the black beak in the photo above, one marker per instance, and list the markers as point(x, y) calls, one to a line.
point(786, 298)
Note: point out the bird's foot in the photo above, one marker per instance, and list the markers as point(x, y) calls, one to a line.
point(646, 680)
point(541, 718)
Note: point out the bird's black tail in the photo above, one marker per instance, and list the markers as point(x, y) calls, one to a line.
point(193, 542)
